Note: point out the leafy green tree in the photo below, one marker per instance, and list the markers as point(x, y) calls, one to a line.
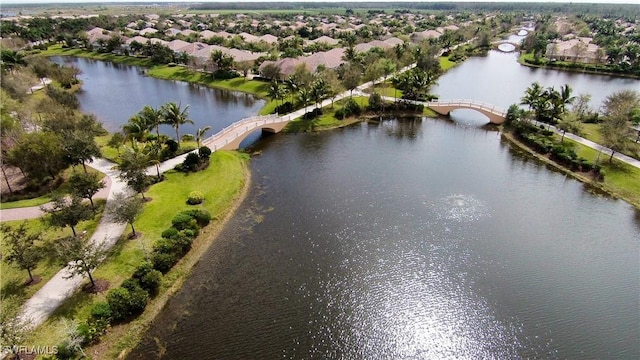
point(616, 128)
point(152, 118)
point(85, 185)
point(20, 249)
point(64, 212)
point(39, 155)
point(81, 148)
point(221, 61)
point(133, 164)
point(175, 116)
point(351, 75)
point(569, 122)
point(136, 128)
point(116, 141)
point(80, 255)
point(126, 210)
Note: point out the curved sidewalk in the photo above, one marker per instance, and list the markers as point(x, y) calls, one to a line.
point(44, 302)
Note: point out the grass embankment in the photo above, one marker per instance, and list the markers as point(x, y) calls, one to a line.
point(223, 183)
point(327, 120)
point(621, 180)
point(528, 59)
point(13, 290)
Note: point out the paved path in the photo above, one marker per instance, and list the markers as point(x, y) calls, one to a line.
point(34, 212)
point(44, 302)
point(605, 150)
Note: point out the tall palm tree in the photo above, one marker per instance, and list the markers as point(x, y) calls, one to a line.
point(153, 118)
point(135, 129)
point(200, 134)
point(275, 91)
point(173, 115)
point(565, 97)
point(533, 97)
point(292, 86)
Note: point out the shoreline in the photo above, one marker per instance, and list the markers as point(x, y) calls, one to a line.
point(120, 340)
point(594, 186)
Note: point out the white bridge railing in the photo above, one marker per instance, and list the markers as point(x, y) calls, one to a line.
point(479, 105)
point(239, 128)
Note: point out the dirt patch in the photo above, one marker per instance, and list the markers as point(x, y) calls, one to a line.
point(36, 280)
point(101, 285)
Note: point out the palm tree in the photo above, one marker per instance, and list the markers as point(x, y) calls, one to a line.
point(319, 90)
point(275, 91)
point(292, 86)
point(533, 97)
point(565, 96)
point(135, 129)
point(153, 118)
point(174, 116)
point(200, 134)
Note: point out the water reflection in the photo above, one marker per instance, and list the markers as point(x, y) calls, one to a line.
point(105, 84)
point(416, 239)
point(403, 128)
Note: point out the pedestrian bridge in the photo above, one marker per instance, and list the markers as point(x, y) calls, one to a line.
point(230, 137)
point(495, 114)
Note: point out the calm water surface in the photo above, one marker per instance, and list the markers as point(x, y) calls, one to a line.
point(413, 238)
point(407, 238)
point(116, 92)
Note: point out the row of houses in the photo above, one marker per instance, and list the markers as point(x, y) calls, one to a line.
point(330, 59)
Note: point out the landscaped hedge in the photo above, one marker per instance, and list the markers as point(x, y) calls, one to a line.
point(130, 299)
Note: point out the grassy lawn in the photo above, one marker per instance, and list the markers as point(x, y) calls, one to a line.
point(620, 178)
point(221, 183)
point(446, 64)
point(12, 288)
point(182, 73)
point(326, 120)
point(592, 132)
point(37, 201)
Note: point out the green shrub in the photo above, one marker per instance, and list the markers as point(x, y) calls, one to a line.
point(203, 217)
point(195, 197)
point(191, 162)
point(151, 281)
point(352, 108)
point(339, 114)
point(204, 152)
point(375, 102)
point(163, 262)
point(101, 311)
point(92, 330)
point(66, 351)
point(170, 233)
point(181, 220)
point(125, 303)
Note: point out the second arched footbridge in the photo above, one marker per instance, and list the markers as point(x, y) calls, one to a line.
point(496, 115)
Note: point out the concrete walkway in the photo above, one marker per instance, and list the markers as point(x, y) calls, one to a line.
point(34, 212)
point(606, 152)
point(44, 302)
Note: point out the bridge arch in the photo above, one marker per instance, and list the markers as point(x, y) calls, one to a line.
point(495, 114)
point(231, 136)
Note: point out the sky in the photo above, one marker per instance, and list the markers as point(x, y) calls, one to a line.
point(192, 1)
